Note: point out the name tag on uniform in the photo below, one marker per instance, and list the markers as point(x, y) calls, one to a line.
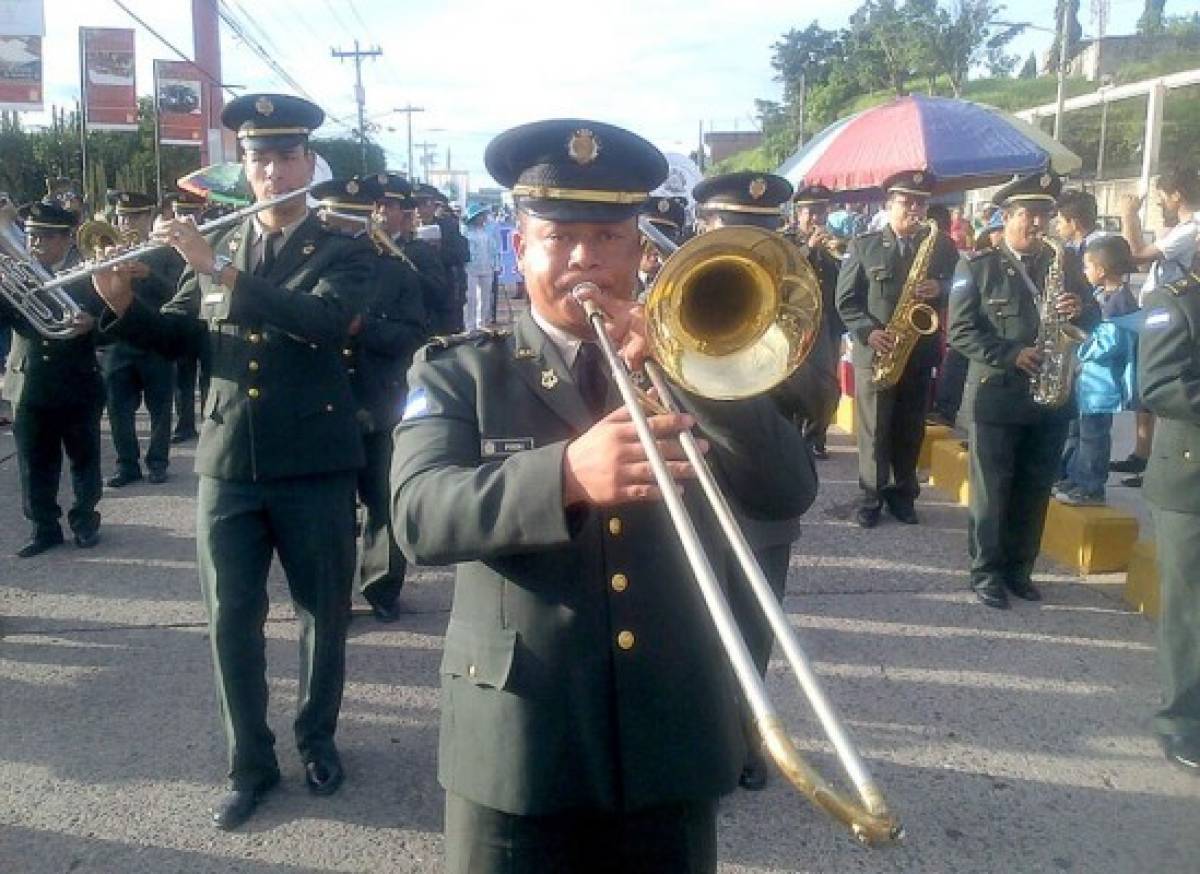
point(214, 297)
point(490, 447)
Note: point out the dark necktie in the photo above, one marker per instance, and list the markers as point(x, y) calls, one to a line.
point(905, 246)
point(270, 243)
point(591, 375)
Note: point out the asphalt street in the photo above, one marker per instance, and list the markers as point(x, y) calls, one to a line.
point(1008, 742)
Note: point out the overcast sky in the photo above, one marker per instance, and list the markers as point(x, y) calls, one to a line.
point(658, 67)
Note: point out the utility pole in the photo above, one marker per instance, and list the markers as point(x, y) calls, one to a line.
point(1062, 70)
point(360, 96)
point(427, 151)
point(409, 110)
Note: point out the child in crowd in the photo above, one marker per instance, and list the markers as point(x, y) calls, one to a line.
point(1105, 383)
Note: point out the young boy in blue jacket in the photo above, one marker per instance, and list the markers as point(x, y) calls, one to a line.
point(1105, 383)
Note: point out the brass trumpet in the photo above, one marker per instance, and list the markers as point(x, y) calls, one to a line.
point(732, 313)
point(93, 237)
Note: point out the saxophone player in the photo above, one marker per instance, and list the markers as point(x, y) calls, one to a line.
point(891, 420)
point(1016, 444)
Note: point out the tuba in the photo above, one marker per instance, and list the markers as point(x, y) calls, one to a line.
point(1057, 341)
point(911, 320)
point(51, 312)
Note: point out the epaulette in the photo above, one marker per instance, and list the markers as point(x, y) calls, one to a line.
point(477, 337)
point(1191, 282)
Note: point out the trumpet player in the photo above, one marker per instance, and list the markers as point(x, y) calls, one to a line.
point(891, 420)
point(1015, 444)
point(57, 397)
point(588, 716)
point(271, 298)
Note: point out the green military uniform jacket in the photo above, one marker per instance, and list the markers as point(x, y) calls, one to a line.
point(166, 266)
point(436, 292)
point(377, 357)
point(993, 316)
point(580, 670)
point(53, 373)
point(1169, 379)
point(871, 280)
point(279, 402)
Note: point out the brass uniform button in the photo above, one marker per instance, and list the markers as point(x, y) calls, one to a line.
point(348, 352)
point(1187, 455)
point(471, 671)
point(329, 408)
point(253, 393)
point(614, 526)
point(253, 365)
point(45, 357)
point(254, 338)
point(620, 582)
point(625, 640)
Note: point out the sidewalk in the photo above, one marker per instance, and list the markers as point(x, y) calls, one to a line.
point(1009, 742)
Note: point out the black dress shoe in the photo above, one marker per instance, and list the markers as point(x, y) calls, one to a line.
point(867, 517)
point(39, 543)
point(237, 805)
point(123, 478)
point(1183, 752)
point(1024, 589)
point(820, 452)
point(324, 775)
point(903, 511)
point(156, 477)
point(1131, 464)
point(384, 612)
point(991, 594)
point(186, 437)
point(87, 539)
point(1132, 482)
point(754, 775)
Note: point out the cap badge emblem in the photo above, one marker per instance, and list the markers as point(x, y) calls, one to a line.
point(664, 205)
point(583, 147)
point(352, 187)
point(264, 106)
point(918, 178)
point(309, 248)
point(758, 188)
point(549, 379)
point(1045, 180)
point(382, 178)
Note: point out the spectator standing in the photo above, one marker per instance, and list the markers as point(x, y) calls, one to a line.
point(480, 311)
point(1105, 382)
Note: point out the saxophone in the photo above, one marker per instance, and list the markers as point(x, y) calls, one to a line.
point(1057, 341)
point(911, 320)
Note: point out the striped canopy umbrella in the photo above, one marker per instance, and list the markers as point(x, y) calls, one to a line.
point(963, 144)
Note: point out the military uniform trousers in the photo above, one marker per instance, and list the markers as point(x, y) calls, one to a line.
point(186, 370)
point(676, 838)
point(891, 426)
point(381, 564)
point(43, 434)
point(308, 521)
point(1011, 470)
point(1178, 541)
point(147, 377)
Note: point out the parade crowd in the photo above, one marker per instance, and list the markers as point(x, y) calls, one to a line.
point(360, 409)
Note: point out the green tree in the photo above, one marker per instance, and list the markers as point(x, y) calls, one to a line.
point(1151, 21)
point(1074, 32)
point(886, 47)
point(1029, 69)
point(965, 38)
point(345, 156)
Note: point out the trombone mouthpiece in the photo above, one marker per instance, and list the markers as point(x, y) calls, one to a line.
point(588, 306)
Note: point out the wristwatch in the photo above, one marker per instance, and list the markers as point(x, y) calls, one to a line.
point(219, 264)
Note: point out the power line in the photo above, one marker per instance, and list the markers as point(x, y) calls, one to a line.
point(158, 36)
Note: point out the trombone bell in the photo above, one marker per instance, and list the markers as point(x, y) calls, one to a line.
point(733, 312)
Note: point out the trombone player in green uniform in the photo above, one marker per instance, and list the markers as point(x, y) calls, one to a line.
point(589, 719)
point(272, 298)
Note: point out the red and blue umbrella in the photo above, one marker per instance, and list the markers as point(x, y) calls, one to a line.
point(963, 144)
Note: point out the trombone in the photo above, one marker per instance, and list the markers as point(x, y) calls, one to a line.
point(732, 313)
point(37, 295)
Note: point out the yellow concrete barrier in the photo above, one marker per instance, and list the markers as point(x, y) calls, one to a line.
point(1090, 539)
point(933, 433)
point(948, 469)
point(1141, 579)
point(845, 414)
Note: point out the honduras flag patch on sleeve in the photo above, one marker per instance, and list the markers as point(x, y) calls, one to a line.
point(417, 404)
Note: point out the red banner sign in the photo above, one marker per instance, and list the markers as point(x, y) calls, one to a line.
point(109, 94)
point(177, 95)
point(21, 73)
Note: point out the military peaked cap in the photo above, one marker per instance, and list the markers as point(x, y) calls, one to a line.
point(48, 217)
point(812, 194)
point(756, 193)
point(397, 189)
point(271, 121)
point(917, 183)
point(132, 202)
point(356, 194)
point(429, 192)
point(572, 169)
point(183, 202)
point(668, 211)
point(1042, 187)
